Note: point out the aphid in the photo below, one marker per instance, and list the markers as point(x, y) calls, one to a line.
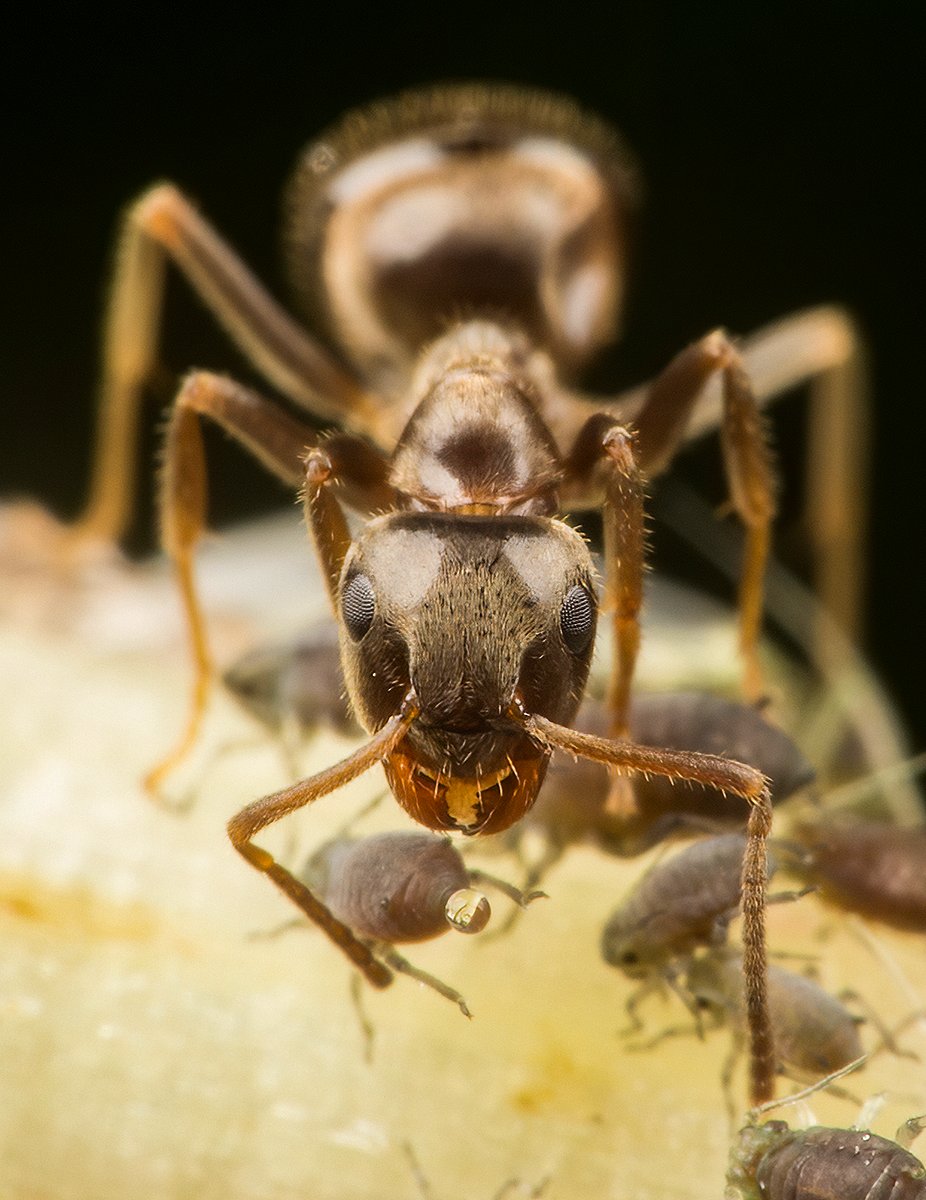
point(876, 869)
point(572, 806)
point(465, 248)
point(403, 887)
point(773, 1162)
point(294, 686)
point(681, 903)
point(814, 1034)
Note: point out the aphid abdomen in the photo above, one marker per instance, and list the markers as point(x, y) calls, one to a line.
point(394, 886)
point(296, 682)
point(879, 870)
point(716, 725)
point(814, 1033)
point(839, 1164)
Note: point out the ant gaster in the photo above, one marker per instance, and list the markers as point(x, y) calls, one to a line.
point(465, 248)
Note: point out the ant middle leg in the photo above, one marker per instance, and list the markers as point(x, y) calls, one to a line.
point(277, 440)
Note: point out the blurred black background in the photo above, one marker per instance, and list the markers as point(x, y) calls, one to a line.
point(780, 147)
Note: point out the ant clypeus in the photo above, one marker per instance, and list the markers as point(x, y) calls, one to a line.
point(465, 248)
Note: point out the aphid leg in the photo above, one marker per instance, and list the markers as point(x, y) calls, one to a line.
point(910, 1131)
point(264, 812)
point(521, 898)
point(887, 1037)
point(726, 775)
point(274, 437)
point(421, 1180)
point(162, 225)
point(534, 874)
point(727, 1071)
point(633, 1002)
point(367, 1032)
point(394, 959)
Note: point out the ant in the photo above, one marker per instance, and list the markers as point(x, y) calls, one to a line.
point(465, 249)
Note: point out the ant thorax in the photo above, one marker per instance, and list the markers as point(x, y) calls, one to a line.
point(475, 442)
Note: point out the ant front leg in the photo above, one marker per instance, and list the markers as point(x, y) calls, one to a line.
point(257, 816)
point(725, 775)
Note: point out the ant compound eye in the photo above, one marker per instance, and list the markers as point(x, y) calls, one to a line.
point(358, 606)
point(630, 958)
point(577, 619)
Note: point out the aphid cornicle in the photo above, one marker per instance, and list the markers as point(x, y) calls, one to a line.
point(773, 1162)
point(464, 247)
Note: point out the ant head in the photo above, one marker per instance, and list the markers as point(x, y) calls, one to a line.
point(477, 616)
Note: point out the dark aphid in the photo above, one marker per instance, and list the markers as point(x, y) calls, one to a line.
point(774, 1162)
point(572, 806)
point(681, 903)
point(876, 869)
point(294, 684)
point(814, 1034)
point(398, 887)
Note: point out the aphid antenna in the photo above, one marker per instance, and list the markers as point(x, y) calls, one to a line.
point(805, 1093)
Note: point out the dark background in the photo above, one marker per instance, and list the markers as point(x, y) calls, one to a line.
point(780, 148)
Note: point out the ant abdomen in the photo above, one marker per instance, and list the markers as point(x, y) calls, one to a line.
point(398, 887)
point(453, 201)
